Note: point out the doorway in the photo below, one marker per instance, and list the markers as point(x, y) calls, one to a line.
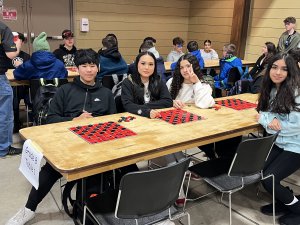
point(36, 16)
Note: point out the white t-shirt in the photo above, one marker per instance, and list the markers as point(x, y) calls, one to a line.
point(209, 55)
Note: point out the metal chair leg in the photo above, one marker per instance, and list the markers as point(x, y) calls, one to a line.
point(273, 197)
point(230, 214)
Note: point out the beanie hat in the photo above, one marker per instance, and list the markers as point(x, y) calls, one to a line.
point(40, 43)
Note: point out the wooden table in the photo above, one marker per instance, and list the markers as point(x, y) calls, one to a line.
point(213, 63)
point(74, 158)
point(72, 72)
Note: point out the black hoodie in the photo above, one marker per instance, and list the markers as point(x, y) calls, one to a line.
point(71, 99)
point(65, 55)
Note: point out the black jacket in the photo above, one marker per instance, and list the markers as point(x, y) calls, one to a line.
point(133, 98)
point(258, 67)
point(71, 99)
point(65, 55)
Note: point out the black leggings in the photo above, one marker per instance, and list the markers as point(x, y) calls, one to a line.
point(281, 164)
point(47, 178)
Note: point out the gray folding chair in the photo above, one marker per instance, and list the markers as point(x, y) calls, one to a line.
point(246, 168)
point(147, 197)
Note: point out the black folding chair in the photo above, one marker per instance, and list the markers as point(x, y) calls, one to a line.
point(147, 197)
point(246, 168)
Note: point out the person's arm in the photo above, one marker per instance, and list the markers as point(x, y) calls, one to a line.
point(173, 66)
point(201, 62)
point(128, 97)
point(7, 39)
point(203, 95)
point(265, 118)
point(280, 45)
point(23, 72)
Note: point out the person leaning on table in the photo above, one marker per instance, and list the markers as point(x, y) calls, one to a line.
point(73, 101)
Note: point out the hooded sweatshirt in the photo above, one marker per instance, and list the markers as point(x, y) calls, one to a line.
point(71, 99)
point(42, 64)
point(111, 62)
point(65, 55)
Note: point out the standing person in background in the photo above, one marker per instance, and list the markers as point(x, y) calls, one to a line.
point(22, 91)
point(175, 54)
point(111, 60)
point(8, 51)
point(289, 39)
point(279, 111)
point(66, 51)
point(42, 64)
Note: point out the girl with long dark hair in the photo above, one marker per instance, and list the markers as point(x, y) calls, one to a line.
point(279, 111)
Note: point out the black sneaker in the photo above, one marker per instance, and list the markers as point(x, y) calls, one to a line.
point(289, 219)
point(14, 151)
point(280, 209)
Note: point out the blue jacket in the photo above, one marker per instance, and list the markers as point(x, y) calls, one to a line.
point(111, 62)
point(42, 64)
point(225, 66)
point(289, 135)
point(196, 53)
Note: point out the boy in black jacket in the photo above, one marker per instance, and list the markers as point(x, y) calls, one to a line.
point(84, 98)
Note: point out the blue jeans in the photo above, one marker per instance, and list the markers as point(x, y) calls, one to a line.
point(6, 115)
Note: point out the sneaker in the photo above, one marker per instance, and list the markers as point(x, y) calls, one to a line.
point(289, 219)
point(21, 217)
point(194, 176)
point(280, 209)
point(180, 202)
point(165, 222)
point(14, 151)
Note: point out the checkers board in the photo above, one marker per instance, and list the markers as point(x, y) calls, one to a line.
point(99, 132)
point(236, 104)
point(178, 116)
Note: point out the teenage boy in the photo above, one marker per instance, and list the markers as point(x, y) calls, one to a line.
point(73, 101)
point(8, 51)
point(66, 51)
point(175, 54)
point(290, 39)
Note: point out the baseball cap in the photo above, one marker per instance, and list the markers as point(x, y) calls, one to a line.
point(67, 34)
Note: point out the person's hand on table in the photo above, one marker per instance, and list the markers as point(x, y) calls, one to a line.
point(154, 114)
point(178, 104)
point(83, 115)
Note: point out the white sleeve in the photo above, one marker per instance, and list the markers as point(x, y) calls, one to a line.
point(203, 95)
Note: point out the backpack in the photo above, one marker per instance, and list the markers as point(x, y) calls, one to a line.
point(210, 80)
point(240, 87)
point(42, 100)
point(243, 85)
point(114, 83)
point(101, 194)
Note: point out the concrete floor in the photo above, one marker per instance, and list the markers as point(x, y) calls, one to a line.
point(15, 188)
